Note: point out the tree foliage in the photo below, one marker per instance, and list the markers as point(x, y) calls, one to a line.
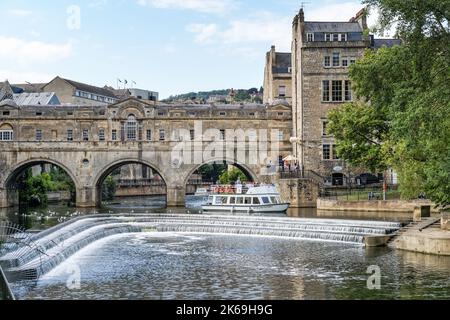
point(231, 176)
point(401, 117)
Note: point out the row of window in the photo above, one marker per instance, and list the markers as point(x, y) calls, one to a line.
point(336, 91)
point(329, 152)
point(129, 134)
point(246, 200)
point(95, 97)
point(328, 37)
point(336, 61)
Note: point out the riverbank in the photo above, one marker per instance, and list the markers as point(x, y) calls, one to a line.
point(432, 240)
point(397, 207)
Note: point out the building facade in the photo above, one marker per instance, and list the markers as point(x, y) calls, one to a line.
point(322, 53)
point(277, 77)
point(90, 142)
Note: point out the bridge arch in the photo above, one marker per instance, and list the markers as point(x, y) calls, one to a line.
point(248, 171)
point(11, 176)
point(111, 167)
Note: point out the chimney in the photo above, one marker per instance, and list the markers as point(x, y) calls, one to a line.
point(361, 18)
point(301, 15)
point(273, 55)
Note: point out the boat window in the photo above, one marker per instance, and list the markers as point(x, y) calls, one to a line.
point(232, 200)
point(273, 200)
point(248, 200)
point(265, 200)
point(256, 201)
point(239, 200)
point(224, 200)
point(217, 200)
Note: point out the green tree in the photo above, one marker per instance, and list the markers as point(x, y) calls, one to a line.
point(212, 172)
point(33, 190)
point(401, 117)
point(109, 188)
point(231, 176)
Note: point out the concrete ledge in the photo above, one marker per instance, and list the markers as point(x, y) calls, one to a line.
point(376, 205)
point(428, 241)
point(376, 241)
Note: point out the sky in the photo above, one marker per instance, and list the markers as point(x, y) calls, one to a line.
point(169, 46)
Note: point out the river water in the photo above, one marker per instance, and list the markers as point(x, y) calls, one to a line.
point(205, 266)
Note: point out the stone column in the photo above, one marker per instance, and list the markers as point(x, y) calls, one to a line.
point(176, 196)
point(87, 197)
point(3, 199)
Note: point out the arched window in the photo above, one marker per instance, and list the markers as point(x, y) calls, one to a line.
point(131, 127)
point(6, 132)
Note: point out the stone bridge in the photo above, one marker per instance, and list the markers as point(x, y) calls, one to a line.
point(89, 143)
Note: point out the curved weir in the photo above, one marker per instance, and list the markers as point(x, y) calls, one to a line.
point(53, 246)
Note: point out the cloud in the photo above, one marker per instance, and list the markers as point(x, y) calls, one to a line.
point(204, 33)
point(204, 6)
point(262, 27)
point(26, 52)
point(22, 77)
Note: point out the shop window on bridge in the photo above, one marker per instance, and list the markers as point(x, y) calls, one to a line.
point(131, 128)
point(6, 133)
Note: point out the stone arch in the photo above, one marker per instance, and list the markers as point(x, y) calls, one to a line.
point(246, 169)
point(9, 198)
point(20, 167)
point(6, 126)
point(110, 167)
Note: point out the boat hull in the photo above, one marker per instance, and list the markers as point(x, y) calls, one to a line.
point(272, 208)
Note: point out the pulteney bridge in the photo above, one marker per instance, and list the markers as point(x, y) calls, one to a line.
point(89, 143)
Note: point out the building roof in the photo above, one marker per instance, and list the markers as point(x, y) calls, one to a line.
point(27, 87)
point(91, 89)
point(378, 43)
point(5, 91)
point(42, 98)
point(313, 26)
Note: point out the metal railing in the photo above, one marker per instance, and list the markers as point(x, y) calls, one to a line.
point(5, 289)
point(357, 193)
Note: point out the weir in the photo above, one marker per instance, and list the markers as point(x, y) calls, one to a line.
point(49, 248)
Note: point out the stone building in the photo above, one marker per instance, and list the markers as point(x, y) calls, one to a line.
point(322, 53)
point(77, 93)
point(90, 142)
point(277, 77)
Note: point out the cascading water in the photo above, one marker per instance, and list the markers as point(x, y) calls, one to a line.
point(54, 245)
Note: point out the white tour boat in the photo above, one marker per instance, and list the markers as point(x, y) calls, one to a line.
point(239, 199)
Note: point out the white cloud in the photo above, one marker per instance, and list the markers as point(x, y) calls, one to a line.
point(205, 6)
point(22, 77)
point(263, 27)
point(25, 52)
point(205, 33)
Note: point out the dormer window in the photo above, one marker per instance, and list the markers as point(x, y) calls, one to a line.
point(310, 37)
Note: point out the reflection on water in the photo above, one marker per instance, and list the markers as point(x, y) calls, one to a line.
point(189, 266)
